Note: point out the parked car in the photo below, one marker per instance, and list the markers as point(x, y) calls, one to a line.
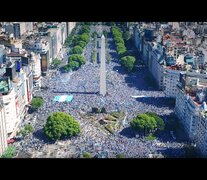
point(10, 141)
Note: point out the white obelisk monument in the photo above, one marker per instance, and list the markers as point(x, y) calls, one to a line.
point(103, 68)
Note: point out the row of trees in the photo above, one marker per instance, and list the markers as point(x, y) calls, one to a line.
point(78, 43)
point(147, 123)
point(94, 52)
point(105, 23)
point(126, 60)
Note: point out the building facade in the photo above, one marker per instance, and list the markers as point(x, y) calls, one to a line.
point(19, 29)
point(36, 68)
point(191, 109)
point(3, 131)
point(70, 26)
point(2, 53)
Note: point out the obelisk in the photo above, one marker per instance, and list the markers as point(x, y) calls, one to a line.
point(103, 68)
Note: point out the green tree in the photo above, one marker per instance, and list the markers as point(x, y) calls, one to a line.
point(37, 102)
point(120, 156)
point(150, 137)
point(119, 39)
point(85, 29)
point(77, 57)
point(94, 56)
point(29, 128)
point(128, 62)
point(84, 37)
point(67, 68)
point(159, 121)
point(9, 153)
point(76, 50)
point(74, 65)
point(26, 130)
point(147, 123)
point(81, 44)
point(56, 62)
point(85, 23)
point(139, 123)
point(126, 35)
point(94, 34)
point(87, 155)
point(68, 40)
point(75, 40)
point(60, 125)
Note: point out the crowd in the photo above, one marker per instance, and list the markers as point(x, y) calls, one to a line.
point(83, 84)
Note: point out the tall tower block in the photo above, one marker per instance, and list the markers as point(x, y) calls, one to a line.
point(103, 68)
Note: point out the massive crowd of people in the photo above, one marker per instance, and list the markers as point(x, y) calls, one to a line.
point(83, 84)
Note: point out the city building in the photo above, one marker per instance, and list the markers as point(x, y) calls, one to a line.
point(191, 108)
point(36, 63)
point(3, 131)
point(56, 40)
point(8, 99)
point(29, 26)
point(70, 26)
point(2, 53)
point(19, 29)
point(168, 50)
point(9, 28)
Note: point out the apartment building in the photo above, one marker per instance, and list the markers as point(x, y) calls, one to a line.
point(3, 131)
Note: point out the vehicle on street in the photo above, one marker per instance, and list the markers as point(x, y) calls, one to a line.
point(10, 141)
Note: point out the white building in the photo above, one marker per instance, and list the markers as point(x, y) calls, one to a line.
point(3, 132)
point(36, 67)
point(56, 41)
point(154, 65)
point(17, 46)
point(11, 110)
point(28, 26)
point(63, 32)
point(70, 27)
point(192, 111)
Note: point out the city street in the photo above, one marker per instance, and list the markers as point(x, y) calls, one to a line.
point(128, 93)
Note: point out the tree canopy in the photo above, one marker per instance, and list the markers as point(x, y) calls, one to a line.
point(77, 57)
point(126, 35)
point(128, 62)
point(76, 50)
point(60, 125)
point(37, 102)
point(85, 29)
point(160, 122)
point(26, 130)
point(84, 37)
point(74, 65)
point(56, 62)
point(81, 44)
point(147, 123)
point(9, 153)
